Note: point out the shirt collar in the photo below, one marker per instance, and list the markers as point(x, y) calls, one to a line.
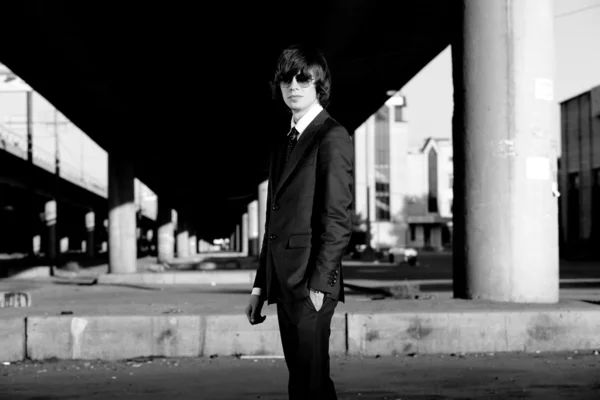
point(310, 115)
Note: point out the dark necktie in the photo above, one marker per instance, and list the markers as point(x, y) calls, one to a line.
point(292, 139)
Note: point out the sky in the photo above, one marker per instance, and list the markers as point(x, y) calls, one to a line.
point(428, 94)
point(577, 51)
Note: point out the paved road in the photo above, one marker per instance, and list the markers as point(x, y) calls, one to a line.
point(483, 376)
point(439, 266)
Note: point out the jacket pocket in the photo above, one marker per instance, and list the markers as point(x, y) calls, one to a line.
point(299, 241)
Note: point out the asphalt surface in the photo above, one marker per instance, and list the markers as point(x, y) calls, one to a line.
point(53, 296)
point(432, 266)
point(479, 376)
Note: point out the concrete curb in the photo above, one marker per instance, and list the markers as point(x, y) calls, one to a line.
point(12, 339)
point(122, 337)
point(182, 277)
point(430, 332)
point(472, 332)
point(30, 273)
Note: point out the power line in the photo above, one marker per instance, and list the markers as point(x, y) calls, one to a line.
point(577, 11)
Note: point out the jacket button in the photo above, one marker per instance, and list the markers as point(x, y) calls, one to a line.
point(272, 237)
point(275, 207)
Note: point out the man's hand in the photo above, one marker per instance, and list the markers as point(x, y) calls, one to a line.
point(253, 310)
point(317, 298)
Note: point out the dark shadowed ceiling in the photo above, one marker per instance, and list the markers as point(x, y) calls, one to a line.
point(182, 88)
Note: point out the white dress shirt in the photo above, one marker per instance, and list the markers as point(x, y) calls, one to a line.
point(300, 126)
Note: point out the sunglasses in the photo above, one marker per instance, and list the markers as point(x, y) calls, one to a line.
point(304, 80)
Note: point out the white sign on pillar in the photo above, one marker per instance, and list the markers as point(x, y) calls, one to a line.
point(50, 212)
point(90, 221)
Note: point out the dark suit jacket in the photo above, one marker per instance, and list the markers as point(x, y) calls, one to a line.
point(308, 222)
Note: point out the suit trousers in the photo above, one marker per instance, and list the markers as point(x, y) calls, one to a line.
point(305, 338)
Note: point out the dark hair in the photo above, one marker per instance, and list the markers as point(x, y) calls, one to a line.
point(302, 59)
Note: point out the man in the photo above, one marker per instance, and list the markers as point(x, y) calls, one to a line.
point(308, 223)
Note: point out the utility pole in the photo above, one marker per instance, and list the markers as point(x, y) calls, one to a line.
point(368, 175)
point(31, 210)
point(368, 254)
point(57, 146)
point(28, 121)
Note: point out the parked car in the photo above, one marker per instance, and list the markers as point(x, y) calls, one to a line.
point(406, 254)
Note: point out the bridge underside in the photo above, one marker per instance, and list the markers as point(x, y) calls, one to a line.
point(183, 90)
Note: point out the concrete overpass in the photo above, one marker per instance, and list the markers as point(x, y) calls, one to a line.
point(168, 92)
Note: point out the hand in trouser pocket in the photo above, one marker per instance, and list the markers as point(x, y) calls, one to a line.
point(316, 298)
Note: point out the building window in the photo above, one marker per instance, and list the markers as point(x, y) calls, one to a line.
point(399, 114)
point(413, 233)
point(382, 165)
point(432, 203)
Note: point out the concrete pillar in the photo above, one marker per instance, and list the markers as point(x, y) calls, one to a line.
point(253, 228)
point(166, 233)
point(104, 244)
point(245, 234)
point(505, 132)
point(122, 244)
point(183, 241)
point(204, 246)
point(90, 225)
point(262, 211)
point(193, 246)
point(64, 244)
point(238, 238)
point(51, 218)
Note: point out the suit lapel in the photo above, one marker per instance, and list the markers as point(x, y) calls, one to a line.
point(277, 159)
point(306, 139)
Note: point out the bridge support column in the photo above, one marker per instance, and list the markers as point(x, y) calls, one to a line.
point(253, 228)
point(51, 218)
point(244, 249)
point(238, 239)
point(505, 131)
point(122, 243)
point(204, 246)
point(183, 241)
point(166, 233)
point(90, 226)
point(193, 246)
point(262, 211)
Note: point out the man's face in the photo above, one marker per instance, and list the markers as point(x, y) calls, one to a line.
point(300, 93)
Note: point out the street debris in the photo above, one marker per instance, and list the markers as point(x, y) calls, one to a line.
point(173, 311)
point(257, 357)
